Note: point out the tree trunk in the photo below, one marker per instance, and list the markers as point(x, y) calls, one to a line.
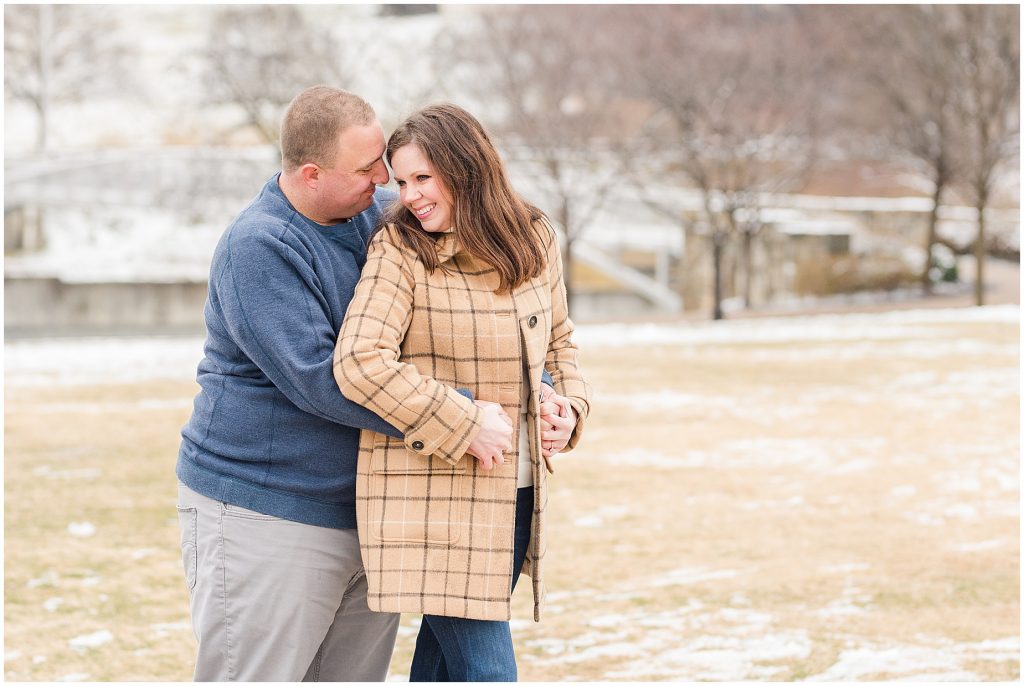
point(45, 57)
point(770, 262)
point(730, 271)
point(731, 262)
point(41, 124)
point(563, 217)
point(933, 220)
point(717, 248)
point(748, 266)
point(979, 253)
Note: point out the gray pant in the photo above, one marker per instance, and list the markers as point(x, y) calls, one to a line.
point(274, 600)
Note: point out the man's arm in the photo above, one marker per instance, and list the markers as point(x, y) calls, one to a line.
point(279, 318)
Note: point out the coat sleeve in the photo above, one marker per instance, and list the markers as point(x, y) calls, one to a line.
point(562, 358)
point(436, 419)
point(270, 304)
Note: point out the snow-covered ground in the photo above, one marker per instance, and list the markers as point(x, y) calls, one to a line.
point(40, 362)
point(838, 327)
point(628, 632)
point(100, 360)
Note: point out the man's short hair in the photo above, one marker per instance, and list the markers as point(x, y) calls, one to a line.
point(312, 122)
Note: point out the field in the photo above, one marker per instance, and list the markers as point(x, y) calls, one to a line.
point(819, 498)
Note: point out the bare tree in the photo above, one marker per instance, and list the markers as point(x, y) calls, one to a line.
point(55, 54)
point(539, 75)
point(735, 94)
point(989, 59)
point(258, 58)
point(911, 108)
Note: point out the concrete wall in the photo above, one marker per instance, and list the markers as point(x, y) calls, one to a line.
point(48, 306)
point(602, 306)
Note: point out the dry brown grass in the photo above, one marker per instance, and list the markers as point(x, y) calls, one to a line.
point(736, 511)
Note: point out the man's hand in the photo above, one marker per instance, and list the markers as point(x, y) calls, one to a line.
point(494, 438)
point(557, 421)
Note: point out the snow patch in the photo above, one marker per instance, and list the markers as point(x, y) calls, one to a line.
point(49, 578)
point(106, 408)
point(82, 529)
point(600, 652)
point(800, 329)
point(101, 360)
point(719, 658)
point(853, 602)
point(845, 568)
point(861, 465)
point(166, 628)
point(93, 640)
point(978, 547)
point(860, 663)
point(996, 650)
point(602, 515)
point(551, 646)
point(649, 458)
point(625, 595)
point(939, 660)
point(963, 512)
point(48, 472)
point(687, 576)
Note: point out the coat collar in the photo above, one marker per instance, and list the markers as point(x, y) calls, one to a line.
point(447, 246)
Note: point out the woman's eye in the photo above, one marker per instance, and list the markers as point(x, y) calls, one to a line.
point(422, 177)
point(401, 184)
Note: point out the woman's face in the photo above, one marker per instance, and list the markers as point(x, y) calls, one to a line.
point(420, 189)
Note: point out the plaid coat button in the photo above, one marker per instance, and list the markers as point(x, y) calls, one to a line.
point(417, 445)
point(533, 321)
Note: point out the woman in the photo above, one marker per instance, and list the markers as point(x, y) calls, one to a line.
point(462, 289)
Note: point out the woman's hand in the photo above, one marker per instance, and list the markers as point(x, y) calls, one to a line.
point(557, 421)
point(494, 438)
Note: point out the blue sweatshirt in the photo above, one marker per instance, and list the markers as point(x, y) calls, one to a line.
point(270, 431)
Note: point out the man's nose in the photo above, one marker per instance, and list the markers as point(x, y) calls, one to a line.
point(380, 173)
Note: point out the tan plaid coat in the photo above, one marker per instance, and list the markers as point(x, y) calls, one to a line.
point(435, 530)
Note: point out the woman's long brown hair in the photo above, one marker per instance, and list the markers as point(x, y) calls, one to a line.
point(490, 219)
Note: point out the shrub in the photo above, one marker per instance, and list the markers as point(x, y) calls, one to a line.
point(827, 275)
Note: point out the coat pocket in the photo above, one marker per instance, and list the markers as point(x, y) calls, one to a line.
point(416, 501)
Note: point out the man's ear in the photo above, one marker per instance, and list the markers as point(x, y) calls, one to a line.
point(310, 175)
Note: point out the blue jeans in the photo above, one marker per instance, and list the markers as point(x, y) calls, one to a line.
point(459, 649)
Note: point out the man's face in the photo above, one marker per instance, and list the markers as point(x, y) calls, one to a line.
point(346, 188)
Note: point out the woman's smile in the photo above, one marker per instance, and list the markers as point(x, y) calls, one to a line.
point(423, 212)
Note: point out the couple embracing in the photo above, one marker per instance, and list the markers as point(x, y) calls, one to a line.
point(385, 382)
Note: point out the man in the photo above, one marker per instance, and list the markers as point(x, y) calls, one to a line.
point(267, 462)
